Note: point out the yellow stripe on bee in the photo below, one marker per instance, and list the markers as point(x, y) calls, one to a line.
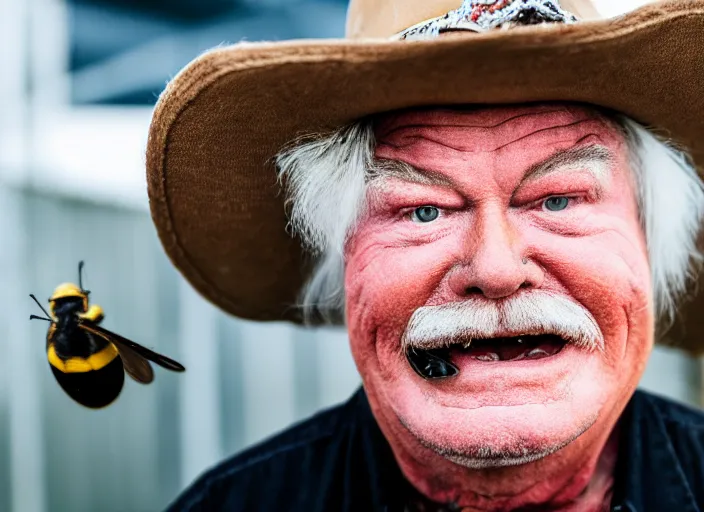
point(79, 365)
point(94, 313)
point(65, 290)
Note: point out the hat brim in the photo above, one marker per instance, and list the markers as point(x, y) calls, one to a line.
point(211, 178)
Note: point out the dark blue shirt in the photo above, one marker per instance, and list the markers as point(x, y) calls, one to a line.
point(339, 460)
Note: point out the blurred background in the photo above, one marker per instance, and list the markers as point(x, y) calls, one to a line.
point(78, 81)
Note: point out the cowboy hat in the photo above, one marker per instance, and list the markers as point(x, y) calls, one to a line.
point(219, 123)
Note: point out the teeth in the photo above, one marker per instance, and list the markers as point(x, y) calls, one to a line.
point(489, 357)
point(537, 352)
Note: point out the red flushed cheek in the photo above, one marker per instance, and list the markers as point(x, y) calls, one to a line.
point(603, 264)
point(384, 286)
point(608, 273)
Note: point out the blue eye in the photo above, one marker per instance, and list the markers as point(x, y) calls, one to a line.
point(555, 204)
point(425, 214)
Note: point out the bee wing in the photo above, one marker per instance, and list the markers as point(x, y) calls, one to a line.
point(118, 340)
point(135, 365)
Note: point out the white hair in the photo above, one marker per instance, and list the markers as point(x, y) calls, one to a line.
point(670, 198)
point(326, 180)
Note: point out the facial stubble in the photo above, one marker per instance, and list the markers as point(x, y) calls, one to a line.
point(486, 457)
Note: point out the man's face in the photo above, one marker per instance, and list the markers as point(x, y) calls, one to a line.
point(550, 185)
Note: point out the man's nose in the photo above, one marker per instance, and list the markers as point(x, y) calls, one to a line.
point(495, 261)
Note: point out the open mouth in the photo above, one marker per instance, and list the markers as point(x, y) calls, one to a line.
point(441, 362)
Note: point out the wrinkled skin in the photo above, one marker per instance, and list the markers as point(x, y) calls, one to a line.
point(593, 252)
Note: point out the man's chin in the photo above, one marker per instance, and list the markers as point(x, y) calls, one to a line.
point(501, 415)
point(491, 437)
point(513, 450)
point(491, 434)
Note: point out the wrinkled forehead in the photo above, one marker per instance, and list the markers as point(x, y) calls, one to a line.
point(494, 122)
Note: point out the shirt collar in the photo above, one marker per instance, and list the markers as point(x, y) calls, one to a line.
point(649, 475)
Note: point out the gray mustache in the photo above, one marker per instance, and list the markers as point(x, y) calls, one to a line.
point(534, 312)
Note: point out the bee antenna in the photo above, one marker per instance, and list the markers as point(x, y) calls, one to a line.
point(40, 306)
point(35, 317)
point(80, 275)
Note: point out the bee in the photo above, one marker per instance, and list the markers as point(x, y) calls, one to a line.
point(88, 361)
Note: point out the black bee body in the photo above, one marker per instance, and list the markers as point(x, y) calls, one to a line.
point(90, 362)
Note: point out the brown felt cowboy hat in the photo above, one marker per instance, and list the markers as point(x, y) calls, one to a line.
point(217, 126)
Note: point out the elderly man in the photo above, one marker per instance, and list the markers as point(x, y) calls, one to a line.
point(502, 241)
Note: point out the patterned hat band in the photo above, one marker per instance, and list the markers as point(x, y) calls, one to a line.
point(485, 15)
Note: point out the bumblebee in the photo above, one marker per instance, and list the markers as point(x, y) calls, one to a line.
point(88, 361)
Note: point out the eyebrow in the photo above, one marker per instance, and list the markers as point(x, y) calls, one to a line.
point(594, 159)
point(383, 168)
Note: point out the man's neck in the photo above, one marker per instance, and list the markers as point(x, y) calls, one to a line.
point(584, 484)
